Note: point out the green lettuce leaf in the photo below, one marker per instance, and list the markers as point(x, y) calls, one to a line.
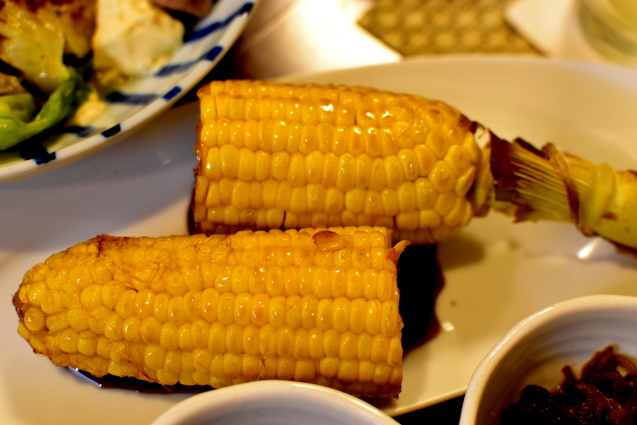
point(16, 111)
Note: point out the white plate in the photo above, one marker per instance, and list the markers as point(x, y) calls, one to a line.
point(496, 273)
point(135, 103)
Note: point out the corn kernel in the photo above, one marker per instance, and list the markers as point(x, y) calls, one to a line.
point(150, 330)
point(144, 302)
point(217, 338)
point(234, 338)
point(377, 175)
point(346, 173)
point(334, 201)
point(87, 343)
point(154, 356)
point(34, 319)
point(442, 177)
point(51, 301)
point(330, 170)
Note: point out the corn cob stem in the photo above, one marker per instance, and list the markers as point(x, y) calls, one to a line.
point(547, 184)
point(312, 305)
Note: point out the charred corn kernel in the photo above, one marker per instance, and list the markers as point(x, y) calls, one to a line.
point(330, 156)
point(307, 305)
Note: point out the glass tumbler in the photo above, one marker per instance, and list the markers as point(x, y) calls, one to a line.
point(610, 26)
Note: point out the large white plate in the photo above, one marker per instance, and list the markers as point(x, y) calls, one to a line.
point(136, 102)
point(496, 272)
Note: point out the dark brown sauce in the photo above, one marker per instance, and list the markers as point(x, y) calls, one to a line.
point(420, 280)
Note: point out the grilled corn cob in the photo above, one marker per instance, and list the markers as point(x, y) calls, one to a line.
point(313, 305)
point(547, 184)
point(274, 155)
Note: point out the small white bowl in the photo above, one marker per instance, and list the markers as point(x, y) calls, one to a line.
point(274, 403)
point(536, 349)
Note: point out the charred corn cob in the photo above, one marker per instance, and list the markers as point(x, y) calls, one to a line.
point(274, 155)
point(547, 184)
point(313, 305)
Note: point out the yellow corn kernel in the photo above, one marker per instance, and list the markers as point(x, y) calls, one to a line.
point(285, 368)
point(373, 206)
point(169, 336)
point(394, 173)
point(35, 292)
point(87, 343)
point(68, 340)
point(34, 319)
point(314, 162)
point(263, 164)
point(154, 356)
point(144, 302)
point(276, 313)
point(325, 136)
point(378, 180)
point(234, 338)
point(175, 310)
point(51, 301)
point(251, 340)
point(330, 170)
point(445, 203)
point(346, 173)
point(113, 327)
point(334, 201)
point(442, 177)
point(296, 174)
point(150, 330)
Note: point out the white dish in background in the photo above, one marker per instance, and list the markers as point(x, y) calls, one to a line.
point(536, 349)
point(137, 102)
point(274, 403)
point(496, 272)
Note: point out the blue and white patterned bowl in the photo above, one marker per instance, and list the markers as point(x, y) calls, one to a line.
point(137, 102)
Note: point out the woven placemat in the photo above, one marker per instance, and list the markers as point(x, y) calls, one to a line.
point(420, 27)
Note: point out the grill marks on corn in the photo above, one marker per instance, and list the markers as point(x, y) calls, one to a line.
point(292, 156)
point(315, 306)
